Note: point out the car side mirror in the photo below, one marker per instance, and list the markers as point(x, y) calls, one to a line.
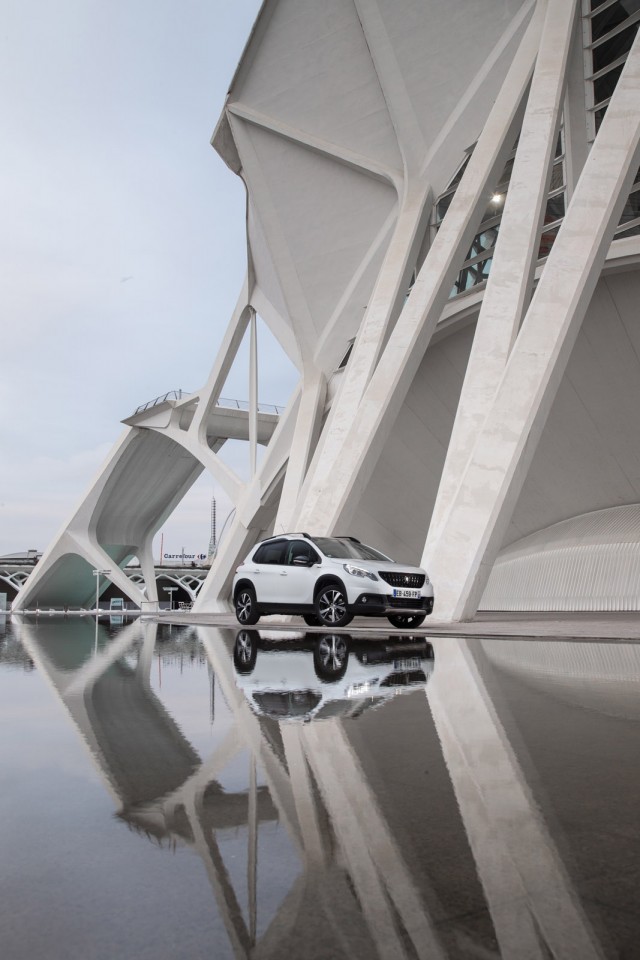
point(302, 562)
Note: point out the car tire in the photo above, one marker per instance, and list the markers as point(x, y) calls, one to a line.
point(405, 621)
point(331, 657)
point(246, 606)
point(311, 620)
point(245, 651)
point(331, 606)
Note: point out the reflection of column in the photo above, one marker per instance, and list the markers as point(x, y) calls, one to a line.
point(230, 909)
point(382, 881)
point(315, 845)
point(275, 772)
point(252, 853)
point(145, 658)
point(533, 904)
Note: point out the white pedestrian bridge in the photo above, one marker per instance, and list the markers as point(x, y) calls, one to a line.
point(184, 582)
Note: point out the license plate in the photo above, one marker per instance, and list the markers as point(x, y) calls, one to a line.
point(412, 663)
point(407, 594)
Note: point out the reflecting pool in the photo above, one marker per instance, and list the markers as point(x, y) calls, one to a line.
point(266, 793)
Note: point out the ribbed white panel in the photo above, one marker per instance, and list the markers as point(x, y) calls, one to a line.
point(590, 562)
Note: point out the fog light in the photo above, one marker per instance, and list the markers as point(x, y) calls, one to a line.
point(364, 599)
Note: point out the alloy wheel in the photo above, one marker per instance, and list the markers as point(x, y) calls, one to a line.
point(332, 606)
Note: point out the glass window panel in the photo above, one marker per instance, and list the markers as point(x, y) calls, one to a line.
point(599, 117)
point(506, 173)
point(632, 207)
point(458, 177)
point(616, 46)
point(443, 205)
point(597, 3)
point(546, 242)
point(483, 241)
point(554, 209)
point(271, 553)
point(633, 231)
point(471, 276)
point(557, 176)
point(495, 207)
point(604, 86)
point(612, 17)
point(559, 147)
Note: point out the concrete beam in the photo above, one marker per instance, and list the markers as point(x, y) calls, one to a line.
point(463, 555)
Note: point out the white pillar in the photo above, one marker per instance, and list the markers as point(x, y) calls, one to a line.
point(510, 281)
point(463, 555)
point(148, 568)
point(385, 303)
point(253, 394)
point(307, 429)
point(326, 505)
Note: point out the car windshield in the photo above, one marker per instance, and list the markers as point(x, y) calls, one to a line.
point(347, 549)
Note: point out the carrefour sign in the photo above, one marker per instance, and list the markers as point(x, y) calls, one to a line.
point(184, 556)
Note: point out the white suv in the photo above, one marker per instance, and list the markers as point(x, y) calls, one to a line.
point(328, 581)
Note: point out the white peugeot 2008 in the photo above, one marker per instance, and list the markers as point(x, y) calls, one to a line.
point(328, 581)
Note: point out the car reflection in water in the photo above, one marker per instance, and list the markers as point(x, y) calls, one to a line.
point(309, 676)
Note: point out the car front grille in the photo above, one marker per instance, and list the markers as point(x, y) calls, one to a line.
point(402, 603)
point(402, 579)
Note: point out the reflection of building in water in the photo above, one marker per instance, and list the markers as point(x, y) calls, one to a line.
point(436, 826)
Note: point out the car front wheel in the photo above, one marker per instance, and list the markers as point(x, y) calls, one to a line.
point(331, 606)
point(246, 606)
point(404, 621)
point(330, 657)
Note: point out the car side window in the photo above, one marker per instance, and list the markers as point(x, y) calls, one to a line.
point(273, 552)
point(300, 549)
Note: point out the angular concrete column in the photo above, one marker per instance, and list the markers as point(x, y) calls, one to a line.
point(384, 304)
point(463, 555)
point(325, 505)
point(510, 281)
point(305, 437)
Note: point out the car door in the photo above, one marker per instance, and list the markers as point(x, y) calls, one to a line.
point(299, 580)
point(267, 571)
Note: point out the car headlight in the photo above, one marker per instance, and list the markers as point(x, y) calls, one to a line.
point(359, 571)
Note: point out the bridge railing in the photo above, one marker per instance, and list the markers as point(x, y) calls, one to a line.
point(221, 402)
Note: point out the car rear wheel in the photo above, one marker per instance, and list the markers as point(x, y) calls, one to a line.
point(331, 606)
point(404, 621)
point(246, 606)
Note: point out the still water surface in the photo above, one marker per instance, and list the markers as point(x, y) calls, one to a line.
point(198, 792)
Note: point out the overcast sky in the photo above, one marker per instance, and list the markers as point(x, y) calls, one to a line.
point(122, 244)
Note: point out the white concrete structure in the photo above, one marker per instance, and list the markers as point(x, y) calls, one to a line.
point(445, 192)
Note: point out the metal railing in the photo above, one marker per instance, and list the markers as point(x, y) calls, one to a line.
point(270, 408)
point(171, 395)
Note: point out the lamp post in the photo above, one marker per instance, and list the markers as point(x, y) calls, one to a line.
point(97, 574)
point(170, 591)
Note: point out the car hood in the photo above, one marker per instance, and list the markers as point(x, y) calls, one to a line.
point(384, 566)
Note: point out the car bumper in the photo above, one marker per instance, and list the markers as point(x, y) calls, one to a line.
point(382, 605)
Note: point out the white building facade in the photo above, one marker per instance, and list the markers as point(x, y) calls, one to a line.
point(443, 233)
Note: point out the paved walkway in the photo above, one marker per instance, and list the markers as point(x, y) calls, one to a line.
point(564, 626)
